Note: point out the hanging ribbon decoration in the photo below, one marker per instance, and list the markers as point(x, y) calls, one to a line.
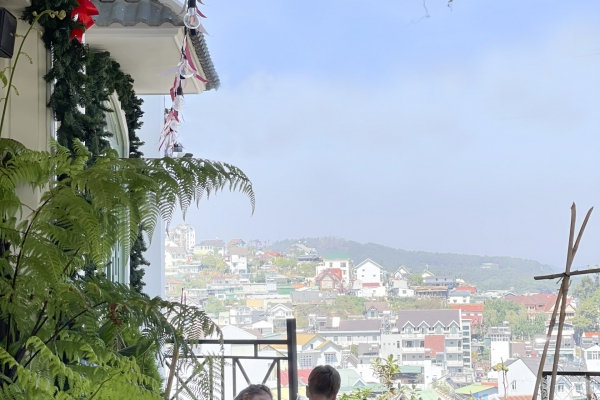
point(185, 70)
point(83, 16)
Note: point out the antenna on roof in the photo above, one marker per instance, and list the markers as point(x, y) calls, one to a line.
point(386, 323)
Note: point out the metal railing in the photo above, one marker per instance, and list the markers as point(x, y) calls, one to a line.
point(235, 363)
point(571, 385)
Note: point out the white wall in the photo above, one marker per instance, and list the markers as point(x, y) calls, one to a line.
point(499, 351)
point(368, 273)
point(153, 121)
point(522, 377)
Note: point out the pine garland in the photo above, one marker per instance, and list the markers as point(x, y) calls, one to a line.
point(75, 90)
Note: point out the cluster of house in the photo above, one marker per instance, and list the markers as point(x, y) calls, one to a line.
point(430, 346)
point(369, 279)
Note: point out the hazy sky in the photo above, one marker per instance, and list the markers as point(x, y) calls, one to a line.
point(470, 131)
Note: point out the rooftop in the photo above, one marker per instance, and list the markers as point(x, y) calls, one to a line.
point(355, 325)
point(429, 317)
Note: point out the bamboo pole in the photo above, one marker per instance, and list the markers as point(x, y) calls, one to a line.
point(561, 301)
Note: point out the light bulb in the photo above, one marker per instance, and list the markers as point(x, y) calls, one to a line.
point(178, 103)
point(185, 70)
point(191, 18)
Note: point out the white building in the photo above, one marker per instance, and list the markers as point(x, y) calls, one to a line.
point(184, 235)
point(459, 297)
point(369, 271)
point(435, 335)
point(499, 344)
point(368, 290)
point(521, 377)
point(237, 260)
point(340, 261)
point(349, 332)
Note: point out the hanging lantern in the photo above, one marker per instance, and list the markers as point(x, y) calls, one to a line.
point(177, 148)
point(191, 19)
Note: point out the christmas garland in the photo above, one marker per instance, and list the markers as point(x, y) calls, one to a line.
point(76, 90)
point(83, 80)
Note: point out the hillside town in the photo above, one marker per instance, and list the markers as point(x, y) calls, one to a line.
point(446, 336)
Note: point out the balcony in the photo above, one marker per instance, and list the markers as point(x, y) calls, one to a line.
point(230, 375)
point(571, 385)
point(452, 349)
point(454, 363)
point(413, 350)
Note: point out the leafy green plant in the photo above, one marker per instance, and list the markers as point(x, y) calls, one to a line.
point(357, 394)
point(386, 369)
point(63, 334)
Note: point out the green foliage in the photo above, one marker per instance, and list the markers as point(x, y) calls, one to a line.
point(284, 262)
point(357, 394)
point(342, 306)
point(259, 278)
point(212, 262)
point(386, 369)
point(521, 325)
point(587, 316)
point(136, 261)
point(63, 334)
point(511, 273)
point(214, 306)
point(585, 289)
point(417, 304)
point(416, 279)
point(307, 270)
point(349, 304)
point(83, 80)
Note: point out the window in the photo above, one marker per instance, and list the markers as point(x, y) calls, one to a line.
point(335, 338)
point(593, 355)
point(409, 344)
point(398, 345)
point(305, 362)
point(348, 338)
point(561, 387)
point(513, 385)
point(329, 358)
point(438, 329)
point(422, 344)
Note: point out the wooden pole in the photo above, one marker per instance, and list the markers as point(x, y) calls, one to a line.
point(561, 301)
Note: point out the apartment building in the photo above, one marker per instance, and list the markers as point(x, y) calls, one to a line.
point(349, 332)
point(449, 282)
point(441, 336)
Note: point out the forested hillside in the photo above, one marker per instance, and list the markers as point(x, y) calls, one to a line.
point(504, 273)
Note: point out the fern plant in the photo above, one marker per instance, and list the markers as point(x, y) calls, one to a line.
point(62, 334)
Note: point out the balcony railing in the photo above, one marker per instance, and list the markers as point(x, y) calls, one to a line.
point(234, 362)
point(571, 385)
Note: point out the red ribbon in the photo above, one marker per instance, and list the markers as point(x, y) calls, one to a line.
point(83, 15)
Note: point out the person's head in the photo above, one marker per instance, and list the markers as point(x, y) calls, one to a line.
point(255, 392)
point(323, 382)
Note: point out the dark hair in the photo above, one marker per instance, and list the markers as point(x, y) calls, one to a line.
point(324, 380)
point(252, 391)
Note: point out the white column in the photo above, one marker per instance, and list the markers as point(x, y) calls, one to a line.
point(153, 118)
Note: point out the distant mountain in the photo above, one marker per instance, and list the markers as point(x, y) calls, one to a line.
point(484, 271)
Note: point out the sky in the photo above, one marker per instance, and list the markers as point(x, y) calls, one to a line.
point(465, 129)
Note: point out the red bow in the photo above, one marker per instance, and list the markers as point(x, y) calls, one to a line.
point(83, 15)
